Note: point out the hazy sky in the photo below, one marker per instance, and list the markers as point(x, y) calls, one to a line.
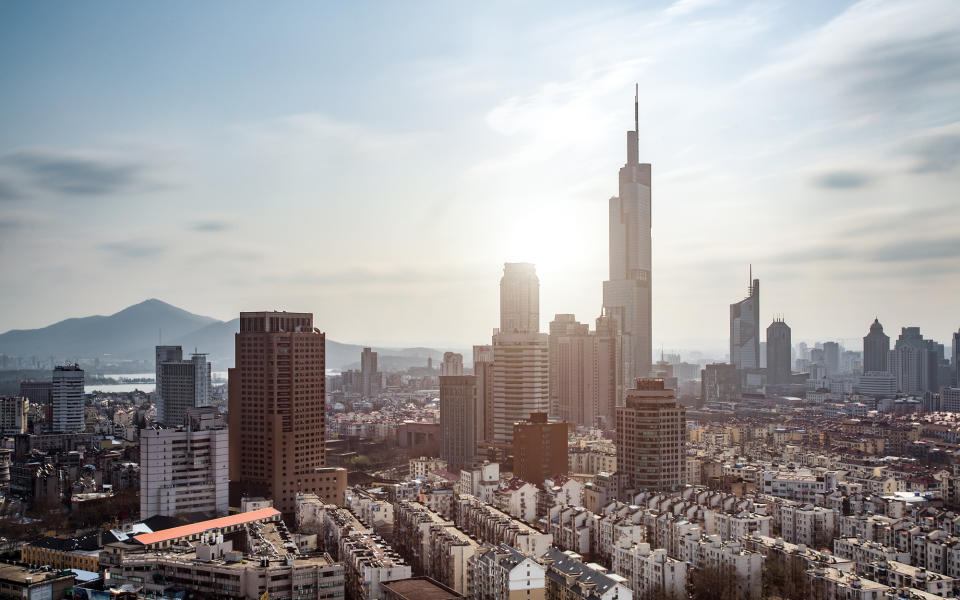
point(376, 163)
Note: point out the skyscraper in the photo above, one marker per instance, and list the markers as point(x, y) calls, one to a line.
point(571, 370)
point(778, 352)
point(164, 354)
point(745, 328)
point(277, 410)
point(67, 395)
point(955, 361)
point(914, 361)
point(370, 376)
point(519, 299)
point(483, 371)
point(651, 436)
point(521, 363)
point(876, 346)
point(831, 356)
point(627, 294)
point(181, 385)
point(452, 364)
point(458, 411)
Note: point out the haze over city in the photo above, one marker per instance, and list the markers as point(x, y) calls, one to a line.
point(377, 164)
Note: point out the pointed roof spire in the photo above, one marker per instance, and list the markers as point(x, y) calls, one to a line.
point(636, 108)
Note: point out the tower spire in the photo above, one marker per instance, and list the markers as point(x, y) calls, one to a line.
point(636, 108)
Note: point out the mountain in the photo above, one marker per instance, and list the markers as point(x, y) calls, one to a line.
point(133, 332)
point(130, 333)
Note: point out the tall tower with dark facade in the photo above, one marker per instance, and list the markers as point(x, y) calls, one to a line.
point(627, 294)
point(277, 398)
point(876, 347)
point(778, 352)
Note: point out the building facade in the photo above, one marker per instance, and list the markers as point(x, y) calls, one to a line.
point(778, 352)
point(66, 393)
point(876, 346)
point(277, 408)
point(458, 411)
point(745, 329)
point(539, 448)
point(651, 435)
point(181, 386)
point(519, 299)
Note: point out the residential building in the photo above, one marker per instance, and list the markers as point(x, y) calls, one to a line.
point(458, 411)
point(521, 369)
point(369, 374)
point(651, 435)
point(650, 573)
point(419, 588)
point(23, 582)
point(13, 415)
point(483, 371)
point(569, 578)
point(186, 469)
point(539, 448)
point(66, 393)
point(519, 299)
point(504, 573)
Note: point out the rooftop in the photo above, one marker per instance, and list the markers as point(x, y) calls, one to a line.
point(421, 588)
point(196, 528)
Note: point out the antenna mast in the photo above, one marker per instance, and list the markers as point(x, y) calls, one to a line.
point(636, 109)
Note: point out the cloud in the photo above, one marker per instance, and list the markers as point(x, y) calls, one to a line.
point(210, 226)
point(76, 174)
point(685, 7)
point(132, 249)
point(843, 180)
point(918, 249)
point(937, 153)
point(8, 192)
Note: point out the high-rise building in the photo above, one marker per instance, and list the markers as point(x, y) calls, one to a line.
point(164, 354)
point(452, 364)
point(915, 362)
point(369, 374)
point(67, 396)
point(571, 371)
point(876, 346)
point(745, 329)
point(651, 436)
point(39, 393)
point(539, 448)
point(13, 415)
point(458, 428)
point(720, 382)
point(831, 356)
point(519, 299)
point(483, 371)
point(185, 469)
point(778, 352)
point(950, 399)
point(955, 360)
point(521, 368)
point(627, 294)
point(606, 357)
point(182, 385)
point(521, 365)
point(277, 410)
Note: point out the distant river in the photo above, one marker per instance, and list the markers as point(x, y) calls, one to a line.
point(218, 377)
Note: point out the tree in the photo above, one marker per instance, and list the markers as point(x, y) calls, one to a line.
point(714, 583)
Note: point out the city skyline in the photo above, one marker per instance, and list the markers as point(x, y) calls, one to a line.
point(138, 184)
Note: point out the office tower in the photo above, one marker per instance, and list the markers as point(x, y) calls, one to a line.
point(452, 364)
point(745, 328)
point(831, 356)
point(876, 346)
point(66, 393)
point(571, 371)
point(627, 294)
point(458, 428)
point(521, 368)
point(185, 469)
point(950, 399)
point(720, 382)
point(519, 299)
point(539, 449)
point(606, 357)
point(164, 354)
point(13, 415)
point(277, 401)
point(521, 364)
point(183, 384)
point(803, 352)
point(39, 393)
point(368, 372)
point(483, 371)
point(955, 361)
point(919, 370)
point(778, 352)
point(651, 435)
